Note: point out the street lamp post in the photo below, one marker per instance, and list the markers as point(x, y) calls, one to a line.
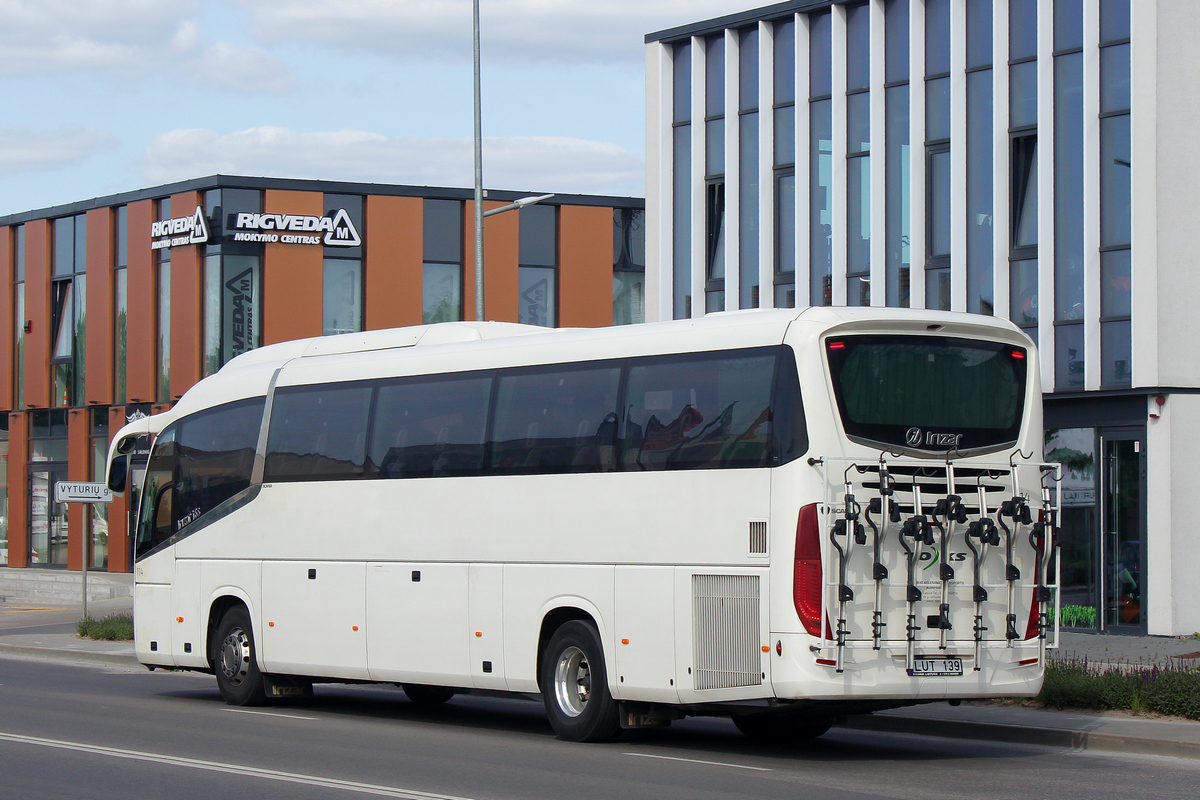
point(479, 212)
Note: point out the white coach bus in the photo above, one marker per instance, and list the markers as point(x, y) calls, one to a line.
point(780, 516)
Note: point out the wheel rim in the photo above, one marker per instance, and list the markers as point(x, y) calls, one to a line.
point(572, 681)
point(235, 656)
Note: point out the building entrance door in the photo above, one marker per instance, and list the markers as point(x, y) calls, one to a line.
point(1122, 531)
point(47, 519)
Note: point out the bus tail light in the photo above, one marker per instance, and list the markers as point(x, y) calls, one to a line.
point(807, 579)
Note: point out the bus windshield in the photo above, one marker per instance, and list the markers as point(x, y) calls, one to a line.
point(928, 393)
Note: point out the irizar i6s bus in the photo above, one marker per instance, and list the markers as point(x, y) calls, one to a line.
point(779, 516)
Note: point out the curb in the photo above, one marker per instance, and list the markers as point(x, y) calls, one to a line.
point(45, 654)
point(1018, 734)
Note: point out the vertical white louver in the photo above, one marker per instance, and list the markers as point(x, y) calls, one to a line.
point(758, 537)
point(725, 631)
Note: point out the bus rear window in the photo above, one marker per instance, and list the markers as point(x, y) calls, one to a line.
point(928, 393)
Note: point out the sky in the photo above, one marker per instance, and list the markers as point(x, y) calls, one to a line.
point(107, 96)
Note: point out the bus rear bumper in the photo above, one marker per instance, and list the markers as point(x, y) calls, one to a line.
point(802, 670)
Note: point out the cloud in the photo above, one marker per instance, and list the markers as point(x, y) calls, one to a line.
point(24, 150)
point(519, 162)
point(48, 36)
point(511, 31)
point(110, 37)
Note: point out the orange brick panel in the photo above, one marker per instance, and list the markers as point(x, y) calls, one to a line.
point(8, 245)
point(394, 262)
point(38, 313)
point(585, 243)
point(293, 274)
point(141, 367)
point(187, 304)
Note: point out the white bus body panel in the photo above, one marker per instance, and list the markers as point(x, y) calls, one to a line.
point(417, 623)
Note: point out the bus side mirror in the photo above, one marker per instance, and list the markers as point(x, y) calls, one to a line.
point(118, 473)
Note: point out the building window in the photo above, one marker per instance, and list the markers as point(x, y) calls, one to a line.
point(537, 284)
point(441, 279)
point(979, 157)
point(748, 170)
point(120, 302)
point(629, 266)
point(681, 183)
point(858, 156)
point(1068, 162)
point(48, 521)
point(897, 181)
point(96, 530)
point(714, 172)
point(784, 116)
point(69, 310)
point(1116, 234)
point(232, 280)
point(820, 160)
point(937, 154)
point(342, 284)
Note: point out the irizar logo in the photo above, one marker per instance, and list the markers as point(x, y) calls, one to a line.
point(338, 230)
point(915, 437)
point(171, 232)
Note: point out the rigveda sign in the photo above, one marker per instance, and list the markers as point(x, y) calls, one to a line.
point(179, 231)
point(75, 492)
point(335, 231)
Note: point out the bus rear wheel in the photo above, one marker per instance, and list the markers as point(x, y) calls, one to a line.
point(238, 677)
point(781, 727)
point(575, 686)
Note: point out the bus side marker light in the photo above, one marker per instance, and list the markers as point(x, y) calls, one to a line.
point(1025, 662)
point(179, 619)
point(779, 647)
point(766, 648)
point(624, 641)
point(270, 624)
point(355, 627)
point(479, 633)
point(827, 662)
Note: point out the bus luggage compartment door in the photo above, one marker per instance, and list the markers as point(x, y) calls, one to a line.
point(314, 619)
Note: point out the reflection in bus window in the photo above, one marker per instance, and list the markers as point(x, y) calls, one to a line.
point(318, 432)
point(699, 412)
point(430, 427)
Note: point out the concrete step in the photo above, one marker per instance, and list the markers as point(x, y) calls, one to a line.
point(60, 586)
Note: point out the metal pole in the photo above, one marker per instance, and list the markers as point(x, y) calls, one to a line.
point(478, 171)
point(87, 528)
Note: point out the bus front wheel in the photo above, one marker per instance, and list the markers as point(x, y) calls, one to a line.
point(238, 677)
point(575, 685)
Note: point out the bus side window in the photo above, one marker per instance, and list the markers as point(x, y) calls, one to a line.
point(431, 426)
point(700, 411)
point(552, 420)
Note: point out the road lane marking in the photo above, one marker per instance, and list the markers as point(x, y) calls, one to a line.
point(266, 713)
point(232, 769)
point(698, 761)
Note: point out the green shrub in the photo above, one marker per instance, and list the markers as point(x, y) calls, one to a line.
point(1174, 691)
point(1164, 689)
point(114, 628)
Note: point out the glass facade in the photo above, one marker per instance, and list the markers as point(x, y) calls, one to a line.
point(898, 214)
point(629, 266)
point(820, 163)
point(537, 279)
point(342, 290)
point(69, 310)
point(748, 169)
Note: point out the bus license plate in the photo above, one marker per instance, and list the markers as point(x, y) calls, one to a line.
point(937, 666)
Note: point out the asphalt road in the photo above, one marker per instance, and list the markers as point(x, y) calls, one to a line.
point(95, 732)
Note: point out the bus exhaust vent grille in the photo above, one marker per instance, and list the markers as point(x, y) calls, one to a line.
point(726, 631)
point(758, 538)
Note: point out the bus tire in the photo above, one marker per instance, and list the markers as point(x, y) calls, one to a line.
point(575, 685)
point(422, 694)
point(781, 727)
point(238, 677)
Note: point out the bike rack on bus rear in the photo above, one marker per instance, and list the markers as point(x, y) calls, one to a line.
point(946, 500)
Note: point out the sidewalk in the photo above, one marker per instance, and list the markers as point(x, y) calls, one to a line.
point(48, 633)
